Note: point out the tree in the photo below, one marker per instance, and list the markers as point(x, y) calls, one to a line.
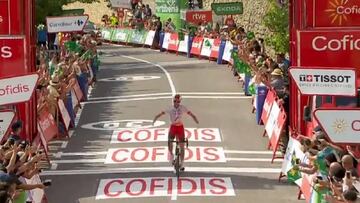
point(277, 21)
point(53, 8)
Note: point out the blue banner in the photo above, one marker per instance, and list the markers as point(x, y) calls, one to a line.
point(261, 92)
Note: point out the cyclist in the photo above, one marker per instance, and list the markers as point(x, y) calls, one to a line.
point(177, 127)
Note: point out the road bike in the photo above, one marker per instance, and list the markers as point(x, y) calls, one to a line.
point(176, 162)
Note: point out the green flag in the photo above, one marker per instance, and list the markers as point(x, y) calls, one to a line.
point(87, 55)
point(293, 174)
point(207, 43)
point(73, 46)
point(252, 89)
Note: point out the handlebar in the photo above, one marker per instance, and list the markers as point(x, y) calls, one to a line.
point(186, 141)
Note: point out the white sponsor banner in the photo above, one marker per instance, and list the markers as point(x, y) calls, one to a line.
point(320, 81)
point(5, 121)
point(105, 34)
point(17, 89)
point(341, 125)
point(150, 38)
point(66, 23)
point(166, 41)
point(64, 113)
point(164, 187)
point(227, 51)
point(160, 154)
point(36, 195)
point(127, 135)
point(271, 124)
point(120, 36)
point(120, 3)
point(206, 48)
point(293, 148)
point(184, 45)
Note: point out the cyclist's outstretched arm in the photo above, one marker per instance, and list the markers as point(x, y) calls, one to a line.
point(194, 117)
point(158, 116)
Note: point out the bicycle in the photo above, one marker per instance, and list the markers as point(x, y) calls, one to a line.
point(176, 162)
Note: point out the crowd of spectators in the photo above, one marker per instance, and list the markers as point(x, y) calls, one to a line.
point(19, 161)
point(74, 61)
point(335, 168)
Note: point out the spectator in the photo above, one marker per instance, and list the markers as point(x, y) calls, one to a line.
point(169, 26)
point(158, 28)
point(148, 12)
point(277, 81)
point(114, 21)
point(16, 129)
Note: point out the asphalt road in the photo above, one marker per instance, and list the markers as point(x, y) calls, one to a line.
point(113, 157)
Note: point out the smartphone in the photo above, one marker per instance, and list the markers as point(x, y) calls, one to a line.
point(297, 161)
point(348, 174)
point(47, 183)
point(319, 177)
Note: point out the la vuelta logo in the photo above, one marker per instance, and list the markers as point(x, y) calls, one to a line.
point(339, 11)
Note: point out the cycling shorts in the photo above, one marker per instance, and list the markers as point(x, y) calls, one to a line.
point(177, 131)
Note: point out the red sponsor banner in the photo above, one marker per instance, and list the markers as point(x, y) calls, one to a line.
point(173, 42)
point(160, 154)
point(4, 17)
point(197, 17)
point(47, 125)
point(12, 56)
point(127, 135)
point(11, 17)
point(329, 48)
point(215, 48)
point(78, 91)
point(196, 45)
point(270, 98)
point(64, 114)
point(335, 13)
point(164, 187)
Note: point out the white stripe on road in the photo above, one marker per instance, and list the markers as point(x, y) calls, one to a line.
point(165, 97)
point(60, 154)
point(253, 159)
point(171, 83)
point(248, 152)
point(129, 96)
point(160, 169)
point(164, 93)
point(81, 161)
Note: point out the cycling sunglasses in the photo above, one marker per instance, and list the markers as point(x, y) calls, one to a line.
point(177, 101)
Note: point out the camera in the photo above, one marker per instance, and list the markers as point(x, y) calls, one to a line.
point(47, 183)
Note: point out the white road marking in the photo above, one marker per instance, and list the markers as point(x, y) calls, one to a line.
point(165, 97)
point(171, 83)
point(174, 190)
point(248, 152)
point(253, 159)
point(61, 154)
point(187, 62)
point(211, 93)
point(54, 166)
point(164, 93)
point(64, 144)
point(160, 169)
point(81, 161)
point(105, 152)
point(129, 96)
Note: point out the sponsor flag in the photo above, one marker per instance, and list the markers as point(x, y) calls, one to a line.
point(294, 173)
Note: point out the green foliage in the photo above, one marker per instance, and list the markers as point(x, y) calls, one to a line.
point(53, 8)
point(277, 21)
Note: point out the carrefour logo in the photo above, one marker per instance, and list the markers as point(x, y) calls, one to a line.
point(339, 10)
